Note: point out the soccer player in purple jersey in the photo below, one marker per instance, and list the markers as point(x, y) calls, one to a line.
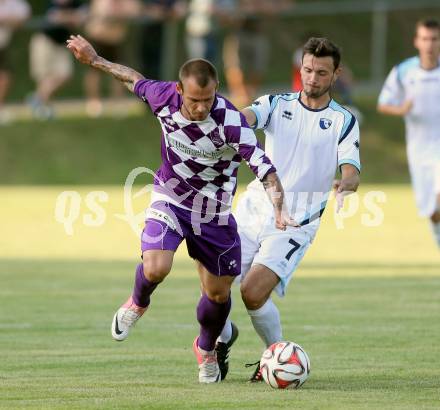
point(204, 139)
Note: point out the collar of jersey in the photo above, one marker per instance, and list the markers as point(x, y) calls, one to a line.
point(187, 121)
point(313, 109)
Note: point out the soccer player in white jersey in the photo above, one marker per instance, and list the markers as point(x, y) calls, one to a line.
point(412, 91)
point(204, 139)
point(308, 135)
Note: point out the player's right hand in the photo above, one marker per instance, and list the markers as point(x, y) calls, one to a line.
point(81, 49)
point(283, 220)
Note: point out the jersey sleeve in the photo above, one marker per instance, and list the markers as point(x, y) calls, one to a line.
point(392, 92)
point(348, 146)
point(262, 107)
point(243, 140)
point(157, 94)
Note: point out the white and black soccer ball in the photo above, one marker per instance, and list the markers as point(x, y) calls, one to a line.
point(285, 365)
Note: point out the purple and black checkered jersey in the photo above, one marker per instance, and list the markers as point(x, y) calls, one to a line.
point(200, 159)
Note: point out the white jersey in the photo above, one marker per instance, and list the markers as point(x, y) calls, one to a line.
point(306, 146)
point(409, 81)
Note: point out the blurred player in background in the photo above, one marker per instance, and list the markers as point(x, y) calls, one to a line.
point(12, 14)
point(202, 26)
point(204, 140)
point(412, 91)
point(307, 135)
point(246, 48)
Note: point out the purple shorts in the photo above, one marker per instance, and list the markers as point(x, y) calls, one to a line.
point(214, 244)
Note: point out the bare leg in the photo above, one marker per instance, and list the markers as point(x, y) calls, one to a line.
point(253, 83)
point(4, 86)
point(91, 84)
point(5, 80)
point(233, 73)
point(435, 217)
point(435, 222)
point(48, 86)
point(117, 89)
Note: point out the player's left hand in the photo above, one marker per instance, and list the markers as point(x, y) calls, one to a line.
point(340, 192)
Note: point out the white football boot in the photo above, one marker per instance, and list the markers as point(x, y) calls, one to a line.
point(125, 318)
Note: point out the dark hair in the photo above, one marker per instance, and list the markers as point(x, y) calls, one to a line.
point(322, 47)
point(428, 23)
point(202, 70)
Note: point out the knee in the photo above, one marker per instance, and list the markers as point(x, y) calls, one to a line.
point(219, 296)
point(435, 217)
point(251, 297)
point(156, 270)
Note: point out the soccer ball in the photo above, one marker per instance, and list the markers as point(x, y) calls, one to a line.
point(285, 365)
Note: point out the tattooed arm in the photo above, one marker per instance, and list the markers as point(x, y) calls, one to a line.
point(275, 191)
point(86, 54)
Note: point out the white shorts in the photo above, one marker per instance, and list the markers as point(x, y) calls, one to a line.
point(49, 59)
point(262, 243)
point(425, 177)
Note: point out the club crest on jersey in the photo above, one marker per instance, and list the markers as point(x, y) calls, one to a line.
point(325, 123)
point(215, 137)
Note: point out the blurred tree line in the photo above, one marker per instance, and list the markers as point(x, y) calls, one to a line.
point(351, 31)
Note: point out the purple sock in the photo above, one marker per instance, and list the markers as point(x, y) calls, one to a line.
point(212, 318)
point(143, 288)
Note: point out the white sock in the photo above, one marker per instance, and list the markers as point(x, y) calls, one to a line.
point(266, 321)
point(436, 232)
point(226, 334)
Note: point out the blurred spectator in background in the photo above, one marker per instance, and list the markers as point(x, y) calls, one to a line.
point(50, 62)
point(155, 13)
point(107, 27)
point(12, 14)
point(200, 37)
point(246, 49)
point(202, 24)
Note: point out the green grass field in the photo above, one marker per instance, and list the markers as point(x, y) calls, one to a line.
point(365, 305)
